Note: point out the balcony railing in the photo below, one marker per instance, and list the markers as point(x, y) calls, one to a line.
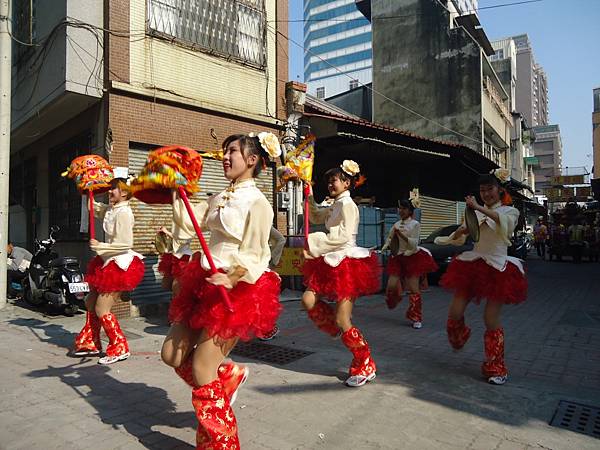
point(496, 98)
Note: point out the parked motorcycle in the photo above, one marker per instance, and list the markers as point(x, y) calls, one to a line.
point(521, 244)
point(53, 280)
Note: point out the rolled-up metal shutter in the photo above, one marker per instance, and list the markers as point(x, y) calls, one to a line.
point(149, 218)
point(436, 213)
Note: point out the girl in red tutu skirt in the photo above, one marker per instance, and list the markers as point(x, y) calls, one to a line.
point(115, 269)
point(203, 331)
point(409, 263)
point(172, 264)
point(486, 272)
point(335, 268)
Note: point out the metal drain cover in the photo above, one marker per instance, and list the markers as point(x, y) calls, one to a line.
point(269, 353)
point(578, 418)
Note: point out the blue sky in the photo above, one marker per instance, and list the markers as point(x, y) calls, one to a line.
point(565, 36)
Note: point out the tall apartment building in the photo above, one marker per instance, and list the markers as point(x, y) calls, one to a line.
point(440, 71)
point(337, 47)
point(165, 73)
point(596, 143)
point(548, 151)
point(532, 84)
point(521, 161)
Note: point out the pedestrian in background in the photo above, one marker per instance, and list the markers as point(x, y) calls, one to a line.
point(540, 236)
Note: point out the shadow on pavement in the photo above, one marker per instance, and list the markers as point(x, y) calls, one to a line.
point(52, 333)
point(132, 407)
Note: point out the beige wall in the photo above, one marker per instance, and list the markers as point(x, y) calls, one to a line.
point(217, 83)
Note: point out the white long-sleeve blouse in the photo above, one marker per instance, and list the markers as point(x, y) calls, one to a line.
point(341, 219)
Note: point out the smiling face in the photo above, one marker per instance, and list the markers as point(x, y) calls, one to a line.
point(116, 195)
point(336, 186)
point(489, 193)
point(237, 165)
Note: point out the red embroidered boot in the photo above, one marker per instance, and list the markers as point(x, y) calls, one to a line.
point(414, 312)
point(324, 318)
point(185, 371)
point(458, 333)
point(117, 349)
point(393, 296)
point(87, 342)
point(232, 376)
point(362, 368)
point(217, 427)
point(493, 368)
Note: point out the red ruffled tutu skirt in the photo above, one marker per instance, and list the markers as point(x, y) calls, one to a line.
point(411, 266)
point(352, 278)
point(199, 305)
point(112, 278)
point(171, 266)
point(476, 280)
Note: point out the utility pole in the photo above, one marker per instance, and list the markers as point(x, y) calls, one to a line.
point(5, 93)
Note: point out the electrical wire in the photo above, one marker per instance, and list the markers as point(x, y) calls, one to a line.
point(403, 16)
point(370, 88)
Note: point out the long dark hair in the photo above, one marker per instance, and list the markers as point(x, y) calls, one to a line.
point(337, 172)
point(121, 183)
point(250, 146)
point(406, 204)
point(489, 178)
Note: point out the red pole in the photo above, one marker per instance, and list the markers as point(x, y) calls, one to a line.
point(92, 225)
point(306, 214)
point(203, 244)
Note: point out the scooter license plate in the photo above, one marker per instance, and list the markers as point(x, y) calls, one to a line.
point(78, 287)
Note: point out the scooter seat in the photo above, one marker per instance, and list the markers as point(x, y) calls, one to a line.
point(64, 261)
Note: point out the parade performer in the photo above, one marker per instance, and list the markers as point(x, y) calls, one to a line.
point(486, 272)
point(203, 331)
point(173, 262)
point(115, 269)
point(337, 269)
point(409, 261)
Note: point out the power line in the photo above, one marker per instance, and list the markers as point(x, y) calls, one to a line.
point(370, 88)
point(403, 16)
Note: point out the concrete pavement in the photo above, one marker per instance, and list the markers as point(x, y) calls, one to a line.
point(425, 396)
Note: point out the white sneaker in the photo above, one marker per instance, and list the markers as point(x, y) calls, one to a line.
point(498, 380)
point(85, 353)
point(106, 360)
point(235, 393)
point(359, 380)
point(417, 325)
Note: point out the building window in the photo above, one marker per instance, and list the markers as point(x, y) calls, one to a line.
point(320, 92)
point(231, 28)
point(353, 84)
point(65, 203)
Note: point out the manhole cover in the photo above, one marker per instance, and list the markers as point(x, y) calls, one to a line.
point(576, 417)
point(269, 353)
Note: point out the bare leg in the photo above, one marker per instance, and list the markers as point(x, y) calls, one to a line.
point(343, 314)
point(309, 299)
point(491, 315)
point(209, 354)
point(458, 307)
point(178, 344)
point(105, 302)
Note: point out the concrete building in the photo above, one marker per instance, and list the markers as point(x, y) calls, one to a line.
point(437, 80)
point(337, 43)
point(596, 143)
point(548, 152)
point(532, 84)
point(161, 79)
point(521, 159)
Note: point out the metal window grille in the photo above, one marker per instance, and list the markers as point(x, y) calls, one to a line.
point(232, 28)
point(320, 92)
point(353, 84)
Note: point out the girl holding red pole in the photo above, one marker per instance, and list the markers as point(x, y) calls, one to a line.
point(203, 331)
point(115, 269)
point(336, 268)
